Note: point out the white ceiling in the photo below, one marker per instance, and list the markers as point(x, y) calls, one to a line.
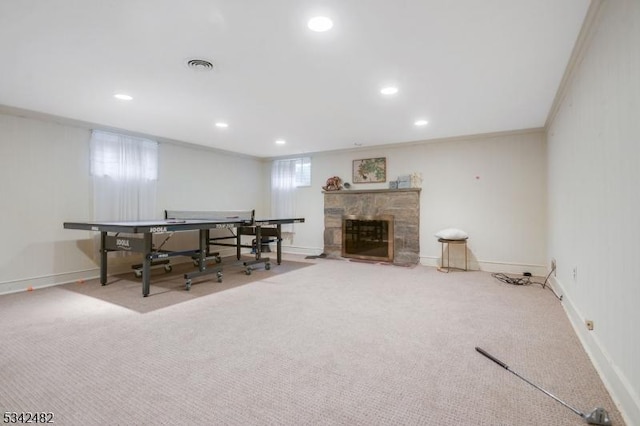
point(466, 66)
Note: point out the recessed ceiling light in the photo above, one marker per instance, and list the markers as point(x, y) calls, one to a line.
point(281, 142)
point(222, 125)
point(421, 123)
point(391, 90)
point(320, 24)
point(123, 97)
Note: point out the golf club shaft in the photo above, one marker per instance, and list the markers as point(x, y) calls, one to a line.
point(506, 367)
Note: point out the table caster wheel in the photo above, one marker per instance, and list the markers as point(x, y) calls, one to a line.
point(138, 274)
point(248, 270)
point(267, 266)
point(188, 285)
point(168, 268)
point(219, 275)
point(218, 259)
point(196, 262)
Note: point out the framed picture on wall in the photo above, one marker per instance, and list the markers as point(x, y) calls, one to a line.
point(370, 170)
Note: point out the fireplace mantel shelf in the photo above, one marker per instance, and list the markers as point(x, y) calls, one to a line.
point(368, 191)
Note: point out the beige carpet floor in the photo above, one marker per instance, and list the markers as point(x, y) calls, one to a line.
point(169, 288)
point(333, 343)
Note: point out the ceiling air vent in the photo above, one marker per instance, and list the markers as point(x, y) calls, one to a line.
point(200, 65)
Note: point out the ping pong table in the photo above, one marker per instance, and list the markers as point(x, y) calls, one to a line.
point(243, 222)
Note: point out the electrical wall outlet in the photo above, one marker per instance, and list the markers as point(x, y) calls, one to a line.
point(553, 266)
point(575, 273)
point(589, 324)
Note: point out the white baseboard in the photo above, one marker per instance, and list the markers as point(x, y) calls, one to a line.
point(33, 283)
point(491, 266)
point(306, 251)
point(614, 380)
point(74, 276)
point(115, 268)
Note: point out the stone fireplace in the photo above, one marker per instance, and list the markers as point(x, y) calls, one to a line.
point(399, 207)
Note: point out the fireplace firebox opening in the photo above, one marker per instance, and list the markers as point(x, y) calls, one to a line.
point(368, 237)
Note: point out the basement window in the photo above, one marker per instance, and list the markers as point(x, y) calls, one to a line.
point(291, 173)
point(303, 171)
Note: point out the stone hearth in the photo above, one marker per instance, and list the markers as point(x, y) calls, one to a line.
point(402, 204)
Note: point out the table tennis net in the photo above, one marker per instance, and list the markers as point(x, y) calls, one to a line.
point(228, 215)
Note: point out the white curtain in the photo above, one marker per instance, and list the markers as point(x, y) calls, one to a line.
point(125, 173)
point(283, 185)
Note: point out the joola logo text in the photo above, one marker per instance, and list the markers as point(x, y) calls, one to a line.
point(122, 243)
point(158, 229)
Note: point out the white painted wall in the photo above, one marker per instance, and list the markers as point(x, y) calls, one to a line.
point(594, 173)
point(493, 187)
point(194, 178)
point(44, 170)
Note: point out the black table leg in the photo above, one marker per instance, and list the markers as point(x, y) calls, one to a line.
point(203, 255)
point(239, 243)
point(146, 264)
point(258, 257)
point(258, 242)
point(204, 248)
point(103, 258)
point(279, 244)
